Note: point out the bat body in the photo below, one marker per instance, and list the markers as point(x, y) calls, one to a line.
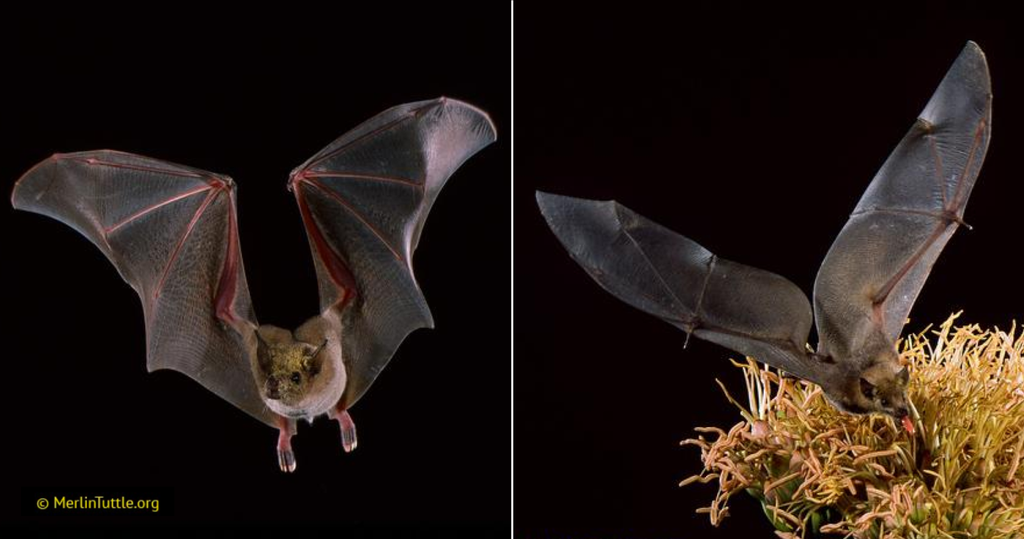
point(172, 233)
point(865, 287)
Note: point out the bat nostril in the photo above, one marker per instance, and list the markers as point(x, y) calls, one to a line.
point(273, 392)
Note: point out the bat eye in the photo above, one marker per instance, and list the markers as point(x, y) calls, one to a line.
point(885, 403)
point(867, 388)
point(296, 378)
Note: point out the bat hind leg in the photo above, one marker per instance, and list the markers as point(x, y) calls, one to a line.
point(285, 455)
point(348, 429)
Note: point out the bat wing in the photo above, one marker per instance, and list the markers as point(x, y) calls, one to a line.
point(874, 271)
point(171, 232)
point(751, 311)
point(363, 200)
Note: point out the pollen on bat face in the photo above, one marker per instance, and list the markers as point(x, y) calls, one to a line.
point(816, 470)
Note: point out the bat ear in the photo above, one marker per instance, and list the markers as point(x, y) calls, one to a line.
point(312, 363)
point(263, 356)
point(904, 375)
point(867, 388)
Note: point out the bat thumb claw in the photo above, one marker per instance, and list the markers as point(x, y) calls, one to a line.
point(953, 216)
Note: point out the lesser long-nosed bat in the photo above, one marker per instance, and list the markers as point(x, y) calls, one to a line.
point(865, 287)
point(172, 233)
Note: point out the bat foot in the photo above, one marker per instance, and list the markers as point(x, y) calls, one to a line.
point(285, 455)
point(348, 430)
point(348, 439)
point(286, 459)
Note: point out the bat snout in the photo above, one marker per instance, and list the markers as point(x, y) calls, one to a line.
point(273, 389)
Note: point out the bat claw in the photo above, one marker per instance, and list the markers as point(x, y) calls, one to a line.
point(285, 456)
point(286, 459)
point(348, 440)
point(348, 430)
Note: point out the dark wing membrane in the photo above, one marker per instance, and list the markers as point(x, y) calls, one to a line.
point(754, 312)
point(171, 232)
point(364, 199)
point(881, 259)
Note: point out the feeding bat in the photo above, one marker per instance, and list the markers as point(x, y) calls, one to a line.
point(865, 287)
point(172, 233)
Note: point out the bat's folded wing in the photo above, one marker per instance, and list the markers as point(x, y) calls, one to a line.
point(363, 200)
point(171, 232)
point(881, 259)
point(751, 311)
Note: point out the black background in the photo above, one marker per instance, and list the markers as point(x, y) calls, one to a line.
point(754, 134)
point(252, 96)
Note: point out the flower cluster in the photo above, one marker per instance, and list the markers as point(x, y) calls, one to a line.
point(820, 471)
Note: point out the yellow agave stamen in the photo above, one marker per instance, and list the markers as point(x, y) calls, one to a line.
point(816, 470)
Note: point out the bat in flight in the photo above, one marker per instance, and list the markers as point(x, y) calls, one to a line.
point(865, 287)
point(172, 233)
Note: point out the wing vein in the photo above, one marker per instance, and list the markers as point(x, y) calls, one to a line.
point(967, 166)
point(654, 270)
point(390, 125)
point(883, 294)
point(784, 344)
point(177, 248)
point(945, 215)
point(704, 288)
point(336, 269)
point(154, 207)
point(371, 177)
point(94, 161)
point(359, 216)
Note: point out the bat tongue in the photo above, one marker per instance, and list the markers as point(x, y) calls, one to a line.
point(908, 424)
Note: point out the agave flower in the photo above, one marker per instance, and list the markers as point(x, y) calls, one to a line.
point(819, 471)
